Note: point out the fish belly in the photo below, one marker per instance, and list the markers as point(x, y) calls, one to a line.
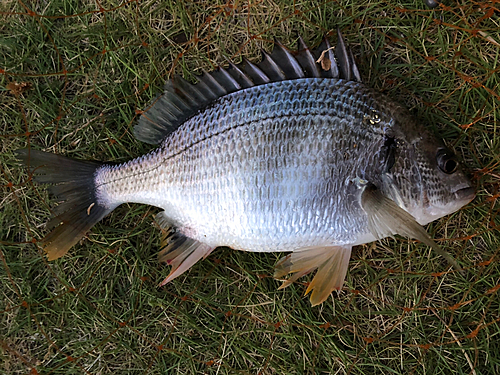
point(269, 168)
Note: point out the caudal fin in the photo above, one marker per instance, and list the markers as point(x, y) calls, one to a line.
point(72, 183)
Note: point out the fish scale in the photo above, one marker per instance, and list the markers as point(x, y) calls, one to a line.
point(283, 155)
point(227, 154)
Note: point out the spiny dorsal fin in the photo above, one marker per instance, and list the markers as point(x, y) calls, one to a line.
point(181, 99)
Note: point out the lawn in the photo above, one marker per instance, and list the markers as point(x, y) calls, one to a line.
point(74, 77)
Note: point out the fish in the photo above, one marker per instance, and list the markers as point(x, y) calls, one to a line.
point(292, 154)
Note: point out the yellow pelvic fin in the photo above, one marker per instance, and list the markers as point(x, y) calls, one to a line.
point(331, 263)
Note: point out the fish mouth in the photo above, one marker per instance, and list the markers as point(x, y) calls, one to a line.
point(465, 194)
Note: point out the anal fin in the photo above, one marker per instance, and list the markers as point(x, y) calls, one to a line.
point(331, 263)
point(179, 251)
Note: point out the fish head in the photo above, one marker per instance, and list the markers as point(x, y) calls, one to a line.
point(425, 178)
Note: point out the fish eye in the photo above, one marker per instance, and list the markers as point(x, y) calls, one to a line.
point(446, 161)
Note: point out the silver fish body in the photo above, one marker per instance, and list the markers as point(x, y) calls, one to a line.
point(269, 168)
point(275, 167)
point(313, 165)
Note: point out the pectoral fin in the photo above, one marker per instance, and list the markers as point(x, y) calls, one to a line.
point(331, 263)
point(386, 218)
point(178, 250)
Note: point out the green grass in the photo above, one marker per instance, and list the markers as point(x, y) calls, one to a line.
point(98, 310)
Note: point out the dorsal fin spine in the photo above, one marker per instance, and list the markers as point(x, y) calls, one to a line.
point(226, 80)
point(212, 83)
point(206, 90)
point(254, 72)
point(239, 76)
point(289, 64)
point(354, 67)
point(189, 91)
point(306, 59)
point(270, 68)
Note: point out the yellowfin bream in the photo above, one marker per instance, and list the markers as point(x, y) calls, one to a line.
point(293, 154)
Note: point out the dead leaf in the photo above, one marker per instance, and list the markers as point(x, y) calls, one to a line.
point(17, 89)
point(325, 62)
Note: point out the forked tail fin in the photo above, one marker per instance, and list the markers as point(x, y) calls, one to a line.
point(72, 183)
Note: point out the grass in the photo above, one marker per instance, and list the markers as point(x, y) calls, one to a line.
point(85, 69)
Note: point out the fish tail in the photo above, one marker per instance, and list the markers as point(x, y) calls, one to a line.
point(73, 184)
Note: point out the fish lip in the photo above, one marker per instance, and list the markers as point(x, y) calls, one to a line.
point(466, 194)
